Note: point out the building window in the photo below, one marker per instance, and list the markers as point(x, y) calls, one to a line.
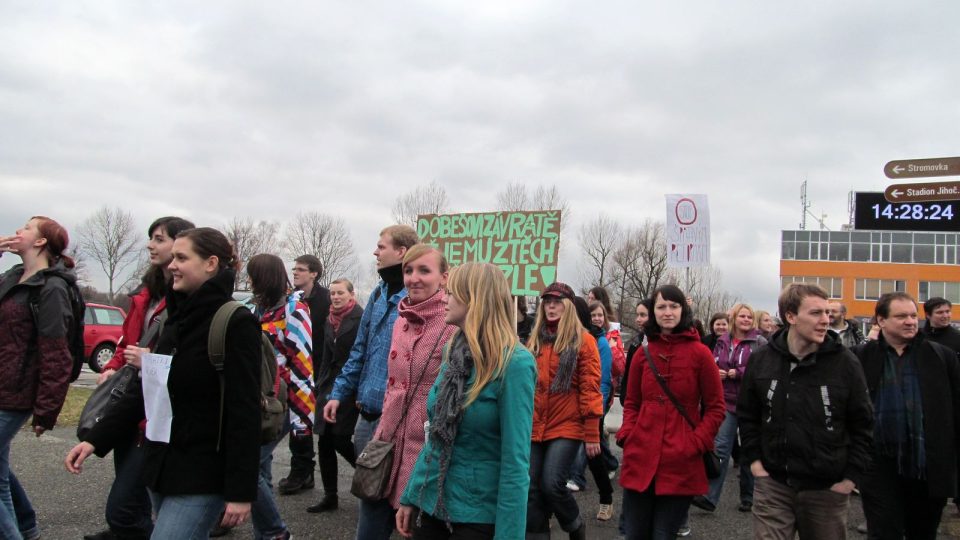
point(860, 246)
point(833, 285)
point(944, 289)
point(872, 289)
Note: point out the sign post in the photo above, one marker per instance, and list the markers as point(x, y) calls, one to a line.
point(525, 245)
point(922, 168)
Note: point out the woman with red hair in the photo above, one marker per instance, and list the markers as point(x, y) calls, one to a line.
point(35, 315)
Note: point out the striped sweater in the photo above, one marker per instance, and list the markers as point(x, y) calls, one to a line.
point(288, 326)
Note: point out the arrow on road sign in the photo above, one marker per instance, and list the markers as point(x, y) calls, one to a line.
point(923, 168)
point(930, 191)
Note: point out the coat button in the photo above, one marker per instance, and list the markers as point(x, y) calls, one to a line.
point(393, 354)
point(406, 326)
point(391, 381)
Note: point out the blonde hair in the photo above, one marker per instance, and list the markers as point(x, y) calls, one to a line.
point(569, 329)
point(735, 310)
point(488, 327)
point(419, 250)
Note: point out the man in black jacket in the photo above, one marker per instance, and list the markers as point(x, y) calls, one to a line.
point(306, 270)
point(915, 387)
point(847, 330)
point(805, 423)
point(939, 311)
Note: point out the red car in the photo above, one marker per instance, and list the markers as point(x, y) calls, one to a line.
point(102, 328)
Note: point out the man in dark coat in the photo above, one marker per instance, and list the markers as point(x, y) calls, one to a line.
point(306, 270)
point(805, 423)
point(938, 329)
point(915, 387)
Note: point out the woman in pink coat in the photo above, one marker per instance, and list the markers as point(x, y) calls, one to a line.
point(413, 363)
point(662, 454)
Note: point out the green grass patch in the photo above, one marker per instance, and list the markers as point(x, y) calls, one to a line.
point(73, 405)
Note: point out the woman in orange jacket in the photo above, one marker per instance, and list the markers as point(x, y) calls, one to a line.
point(566, 412)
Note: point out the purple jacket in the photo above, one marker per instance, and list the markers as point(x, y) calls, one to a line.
point(729, 357)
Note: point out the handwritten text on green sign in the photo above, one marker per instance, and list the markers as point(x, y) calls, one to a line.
point(523, 244)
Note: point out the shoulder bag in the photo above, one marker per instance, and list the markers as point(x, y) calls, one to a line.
point(375, 463)
point(711, 462)
point(105, 396)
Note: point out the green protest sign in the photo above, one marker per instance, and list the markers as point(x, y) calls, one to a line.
point(523, 244)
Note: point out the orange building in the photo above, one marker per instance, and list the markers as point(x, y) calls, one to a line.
point(856, 267)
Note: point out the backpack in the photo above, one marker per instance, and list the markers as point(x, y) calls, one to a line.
point(75, 332)
point(273, 390)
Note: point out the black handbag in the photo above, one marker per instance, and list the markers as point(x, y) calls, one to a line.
point(105, 397)
point(711, 462)
point(374, 465)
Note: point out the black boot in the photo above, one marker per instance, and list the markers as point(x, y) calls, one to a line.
point(579, 534)
point(102, 535)
point(296, 482)
point(329, 502)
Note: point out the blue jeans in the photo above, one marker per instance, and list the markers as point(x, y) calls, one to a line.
point(650, 516)
point(377, 519)
point(264, 513)
point(128, 503)
point(26, 517)
point(363, 433)
point(724, 442)
point(10, 424)
point(185, 517)
point(550, 463)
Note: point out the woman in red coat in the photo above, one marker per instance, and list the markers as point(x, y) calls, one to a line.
point(662, 455)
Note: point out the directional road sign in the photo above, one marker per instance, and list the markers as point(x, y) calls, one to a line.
point(922, 168)
point(930, 191)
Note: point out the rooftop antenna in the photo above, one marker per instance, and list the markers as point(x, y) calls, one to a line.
point(805, 202)
point(851, 207)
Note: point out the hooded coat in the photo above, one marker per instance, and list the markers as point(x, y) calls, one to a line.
point(574, 414)
point(35, 361)
point(413, 364)
point(810, 423)
point(657, 442)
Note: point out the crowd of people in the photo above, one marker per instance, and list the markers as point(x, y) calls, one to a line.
point(465, 416)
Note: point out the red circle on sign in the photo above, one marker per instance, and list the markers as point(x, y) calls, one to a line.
point(676, 211)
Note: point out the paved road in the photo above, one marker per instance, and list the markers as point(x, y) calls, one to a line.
point(70, 506)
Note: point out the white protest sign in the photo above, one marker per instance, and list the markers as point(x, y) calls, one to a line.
point(687, 231)
point(155, 369)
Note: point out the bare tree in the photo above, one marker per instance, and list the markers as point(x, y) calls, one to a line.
point(110, 238)
point(429, 199)
point(517, 197)
point(323, 236)
point(251, 238)
point(638, 267)
point(704, 285)
point(599, 239)
point(513, 198)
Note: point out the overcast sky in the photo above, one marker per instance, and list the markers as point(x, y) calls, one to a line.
point(223, 109)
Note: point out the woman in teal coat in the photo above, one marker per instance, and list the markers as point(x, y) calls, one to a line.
point(472, 476)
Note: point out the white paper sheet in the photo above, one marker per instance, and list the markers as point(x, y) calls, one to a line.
point(155, 368)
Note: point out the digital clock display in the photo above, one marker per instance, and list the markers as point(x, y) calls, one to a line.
point(874, 212)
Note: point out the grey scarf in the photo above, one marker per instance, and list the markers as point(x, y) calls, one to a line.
point(568, 360)
point(447, 415)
